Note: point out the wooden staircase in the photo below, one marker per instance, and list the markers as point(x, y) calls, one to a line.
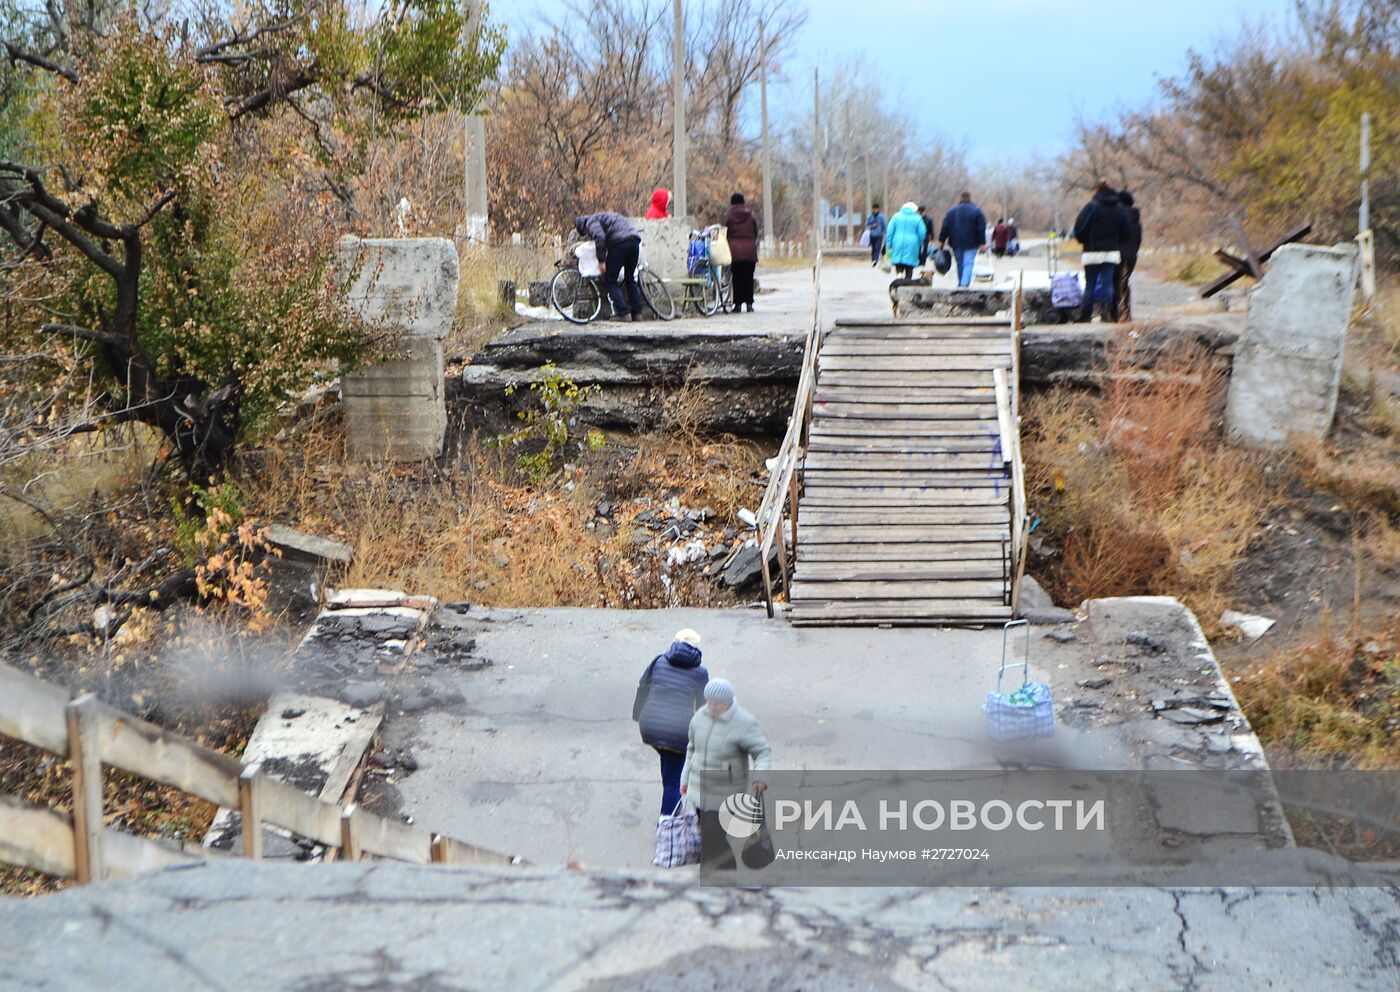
point(911, 502)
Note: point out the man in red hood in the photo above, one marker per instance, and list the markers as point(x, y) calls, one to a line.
point(660, 207)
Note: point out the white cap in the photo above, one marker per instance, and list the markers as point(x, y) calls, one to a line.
point(688, 636)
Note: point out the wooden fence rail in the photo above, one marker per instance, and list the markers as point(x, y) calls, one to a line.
point(91, 734)
point(783, 481)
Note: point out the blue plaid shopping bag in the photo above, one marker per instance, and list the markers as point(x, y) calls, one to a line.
point(1024, 713)
point(678, 837)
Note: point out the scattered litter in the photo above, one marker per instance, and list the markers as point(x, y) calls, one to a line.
point(747, 517)
point(1252, 626)
point(694, 551)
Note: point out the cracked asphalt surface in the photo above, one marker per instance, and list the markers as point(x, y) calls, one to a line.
point(222, 927)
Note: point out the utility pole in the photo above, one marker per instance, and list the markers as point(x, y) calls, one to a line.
point(678, 151)
point(768, 227)
point(474, 149)
point(850, 169)
point(816, 163)
point(1365, 238)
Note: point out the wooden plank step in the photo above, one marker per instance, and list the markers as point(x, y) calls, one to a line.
point(902, 496)
point(951, 481)
point(901, 349)
point(907, 461)
point(909, 612)
point(937, 533)
point(902, 394)
point(969, 322)
point(953, 514)
point(906, 411)
point(912, 363)
point(841, 426)
point(913, 442)
point(990, 560)
point(899, 571)
point(909, 380)
point(907, 551)
point(989, 332)
point(841, 499)
point(839, 590)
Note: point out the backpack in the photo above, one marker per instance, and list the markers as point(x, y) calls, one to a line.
point(1065, 291)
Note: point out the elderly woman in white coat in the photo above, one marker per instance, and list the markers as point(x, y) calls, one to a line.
point(725, 744)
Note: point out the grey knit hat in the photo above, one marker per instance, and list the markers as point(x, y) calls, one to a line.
point(719, 690)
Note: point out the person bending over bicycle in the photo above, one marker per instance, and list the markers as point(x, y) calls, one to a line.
point(618, 245)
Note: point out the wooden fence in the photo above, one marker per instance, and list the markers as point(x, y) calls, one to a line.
point(783, 481)
point(90, 734)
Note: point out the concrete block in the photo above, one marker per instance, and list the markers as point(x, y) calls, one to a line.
point(397, 409)
point(665, 244)
point(1288, 365)
point(404, 284)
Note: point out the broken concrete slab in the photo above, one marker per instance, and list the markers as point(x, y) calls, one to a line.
point(1033, 594)
point(1046, 615)
point(1288, 366)
point(309, 549)
point(309, 742)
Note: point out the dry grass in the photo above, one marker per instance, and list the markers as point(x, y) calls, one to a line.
point(1135, 488)
point(1333, 698)
point(480, 314)
point(475, 530)
point(1194, 268)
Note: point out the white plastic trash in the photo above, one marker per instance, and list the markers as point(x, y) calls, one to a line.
point(587, 253)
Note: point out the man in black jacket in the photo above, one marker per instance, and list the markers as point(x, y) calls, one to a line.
point(619, 246)
point(1101, 228)
point(965, 227)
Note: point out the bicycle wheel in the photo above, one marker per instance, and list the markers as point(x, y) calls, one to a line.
point(577, 299)
point(656, 294)
point(708, 304)
point(726, 288)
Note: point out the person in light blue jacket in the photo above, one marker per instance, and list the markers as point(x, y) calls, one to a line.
point(904, 238)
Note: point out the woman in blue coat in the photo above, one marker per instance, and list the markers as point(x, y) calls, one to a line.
point(904, 239)
point(670, 691)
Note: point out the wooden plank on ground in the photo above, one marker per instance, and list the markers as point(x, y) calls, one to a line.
point(911, 363)
point(965, 444)
point(950, 482)
point(895, 571)
point(835, 426)
point(805, 590)
point(965, 379)
point(914, 551)
point(902, 395)
point(897, 495)
point(904, 461)
point(929, 321)
point(910, 611)
point(906, 411)
point(894, 535)
point(901, 349)
point(956, 514)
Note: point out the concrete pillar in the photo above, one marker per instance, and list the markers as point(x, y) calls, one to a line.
point(1288, 365)
point(397, 409)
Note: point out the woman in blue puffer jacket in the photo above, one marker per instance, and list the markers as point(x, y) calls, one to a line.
point(904, 239)
point(671, 690)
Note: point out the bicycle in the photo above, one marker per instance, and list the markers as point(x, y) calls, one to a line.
point(710, 286)
point(579, 298)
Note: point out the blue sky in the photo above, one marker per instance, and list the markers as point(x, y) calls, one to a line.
point(1005, 78)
